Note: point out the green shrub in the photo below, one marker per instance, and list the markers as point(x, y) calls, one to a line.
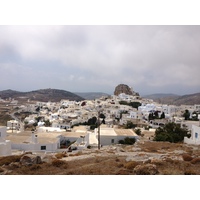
point(171, 132)
point(127, 140)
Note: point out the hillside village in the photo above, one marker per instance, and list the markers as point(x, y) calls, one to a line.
point(73, 126)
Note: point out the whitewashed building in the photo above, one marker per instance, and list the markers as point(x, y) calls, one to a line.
point(195, 136)
point(109, 135)
point(29, 141)
point(5, 145)
point(13, 125)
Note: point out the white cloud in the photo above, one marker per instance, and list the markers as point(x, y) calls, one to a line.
point(103, 56)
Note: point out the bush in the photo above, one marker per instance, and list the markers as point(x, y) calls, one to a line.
point(187, 157)
point(127, 140)
point(138, 131)
point(195, 160)
point(130, 165)
point(58, 163)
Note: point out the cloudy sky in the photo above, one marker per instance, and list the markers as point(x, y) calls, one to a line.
point(151, 59)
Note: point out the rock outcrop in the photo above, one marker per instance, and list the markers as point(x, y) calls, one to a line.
point(122, 88)
point(30, 159)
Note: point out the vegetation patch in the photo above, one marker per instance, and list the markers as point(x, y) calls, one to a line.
point(187, 157)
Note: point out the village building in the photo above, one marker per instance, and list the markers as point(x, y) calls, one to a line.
point(195, 136)
point(31, 141)
point(111, 135)
point(13, 125)
point(5, 145)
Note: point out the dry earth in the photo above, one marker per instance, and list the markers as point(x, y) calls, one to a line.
point(142, 158)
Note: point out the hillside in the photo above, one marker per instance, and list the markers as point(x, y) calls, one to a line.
point(44, 95)
point(142, 158)
point(91, 95)
point(174, 99)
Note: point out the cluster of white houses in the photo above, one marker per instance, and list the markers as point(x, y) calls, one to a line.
point(65, 114)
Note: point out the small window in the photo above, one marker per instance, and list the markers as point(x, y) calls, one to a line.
point(112, 140)
point(43, 147)
point(196, 135)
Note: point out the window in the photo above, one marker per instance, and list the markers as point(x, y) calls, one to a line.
point(112, 140)
point(196, 135)
point(43, 147)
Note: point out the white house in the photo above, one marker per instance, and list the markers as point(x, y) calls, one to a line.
point(195, 136)
point(30, 141)
point(5, 145)
point(109, 135)
point(13, 125)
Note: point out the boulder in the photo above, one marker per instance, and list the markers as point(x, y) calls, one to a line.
point(30, 159)
point(146, 169)
point(122, 88)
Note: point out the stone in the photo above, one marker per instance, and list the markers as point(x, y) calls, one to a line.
point(122, 88)
point(30, 159)
point(146, 169)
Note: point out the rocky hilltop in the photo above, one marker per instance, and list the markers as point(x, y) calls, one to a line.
point(122, 88)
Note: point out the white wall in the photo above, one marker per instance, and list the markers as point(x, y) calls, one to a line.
point(2, 133)
point(195, 136)
point(107, 140)
point(35, 147)
point(5, 145)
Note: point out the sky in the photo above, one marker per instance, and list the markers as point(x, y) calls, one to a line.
point(96, 58)
point(140, 49)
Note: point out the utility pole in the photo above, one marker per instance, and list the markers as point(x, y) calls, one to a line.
point(98, 130)
point(99, 110)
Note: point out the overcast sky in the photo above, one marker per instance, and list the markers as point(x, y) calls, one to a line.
point(151, 59)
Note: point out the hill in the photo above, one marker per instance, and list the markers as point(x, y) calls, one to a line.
point(143, 158)
point(44, 95)
point(174, 99)
point(91, 95)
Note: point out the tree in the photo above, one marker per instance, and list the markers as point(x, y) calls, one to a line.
point(132, 104)
point(171, 132)
point(186, 114)
point(102, 116)
point(138, 131)
point(92, 121)
point(150, 117)
point(129, 125)
point(162, 115)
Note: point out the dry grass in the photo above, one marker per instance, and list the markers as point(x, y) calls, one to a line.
point(9, 159)
point(195, 160)
point(114, 164)
point(60, 155)
point(131, 165)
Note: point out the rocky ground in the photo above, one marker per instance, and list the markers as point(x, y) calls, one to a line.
point(143, 158)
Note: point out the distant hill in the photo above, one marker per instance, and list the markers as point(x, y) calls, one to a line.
point(174, 99)
point(91, 95)
point(44, 95)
